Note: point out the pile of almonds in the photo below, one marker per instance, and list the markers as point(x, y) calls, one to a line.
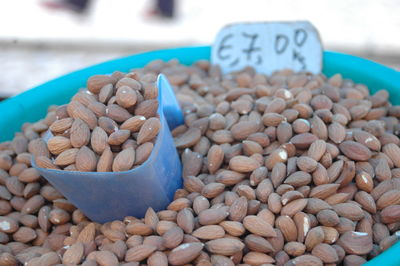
point(111, 126)
point(287, 169)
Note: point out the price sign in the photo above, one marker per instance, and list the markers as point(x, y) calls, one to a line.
point(268, 46)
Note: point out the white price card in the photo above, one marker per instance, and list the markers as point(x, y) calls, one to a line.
point(268, 46)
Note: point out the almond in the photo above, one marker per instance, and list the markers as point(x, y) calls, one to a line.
point(391, 197)
point(74, 254)
point(87, 234)
point(258, 244)
point(303, 224)
point(355, 151)
point(185, 220)
point(117, 113)
point(147, 108)
point(44, 162)
point(134, 123)
point(66, 157)
point(392, 151)
point(97, 108)
point(337, 132)
point(97, 82)
point(149, 130)
point(86, 160)
point(323, 191)
point(61, 125)
point(128, 81)
point(224, 246)
point(367, 139)
point(257, 258)
point(124, 160)
point(143, 152)
point(98, 140)
point(307, 260)
point(107, 124)
point(357, 243)
point(37, 147)
point(184, 253)
point(105, 161)
point(294, 207)
point(366, 201)
point(279, 155)
point(390, 214)
point(173, 237)
point(105, 258)
point(294, 248)
point(215, 158)
point(325, 252)
point(228, 177)
point(306, 164)
point(8, 225)
point(243, 129)
point(126, 96)
point(349, 210)
point(298, 179)
point(243, 164)
point(303, 141)
point(314, 237)
point(258, 226)
point(85, 114)
point(212, 216)
point(238, 209)
point(209, 232)
point(288, 228)
point(118, 137)
point(80, 133)
point(189, 138)
point(158, 259)
point(139, 253)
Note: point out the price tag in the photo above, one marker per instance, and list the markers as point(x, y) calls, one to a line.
point(268, 46)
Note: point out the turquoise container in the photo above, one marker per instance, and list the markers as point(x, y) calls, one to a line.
point(31, 105)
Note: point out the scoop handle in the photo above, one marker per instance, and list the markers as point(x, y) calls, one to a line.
point(169, 103)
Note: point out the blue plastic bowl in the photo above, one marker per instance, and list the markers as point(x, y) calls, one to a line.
point(105, 197)
point(32, 105)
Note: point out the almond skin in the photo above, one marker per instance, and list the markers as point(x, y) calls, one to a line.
point(184, 253)
point(224, 246)
point(243, 164)
point(124, 160)
point(258, 226)
point(105, 161)
point(392, 151)
point(149, 130)
point(215, 158)
point(209, 232)
point(134, 123)
point(98, 140)
point(95, 83)
point(325, 252)
point(188, 139)
point(66, 157)
point(355, 151)
point(61, 125)
point(143, 152)
point(80, 133)
point(139, 253)
point(356, 243)
point(86, 160)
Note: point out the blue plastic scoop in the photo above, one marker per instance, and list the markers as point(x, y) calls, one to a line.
point(111, 196)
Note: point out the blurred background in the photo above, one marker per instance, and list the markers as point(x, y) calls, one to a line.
point(42, 39)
